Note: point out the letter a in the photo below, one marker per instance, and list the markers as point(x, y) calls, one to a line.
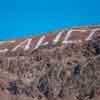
point(25, 44)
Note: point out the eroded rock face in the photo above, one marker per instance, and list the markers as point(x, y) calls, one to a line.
point(55, 73)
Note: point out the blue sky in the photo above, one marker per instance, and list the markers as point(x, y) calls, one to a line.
point(21, 18)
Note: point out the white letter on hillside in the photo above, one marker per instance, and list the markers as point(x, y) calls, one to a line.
point(40, 42)
point(92, 33)
point(4, 50)
point(69, 34)
point(23, 45)
point(58, 37)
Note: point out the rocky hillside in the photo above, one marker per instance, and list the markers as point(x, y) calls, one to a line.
point(61, 65)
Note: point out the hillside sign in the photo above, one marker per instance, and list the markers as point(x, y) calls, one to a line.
point(25, 44)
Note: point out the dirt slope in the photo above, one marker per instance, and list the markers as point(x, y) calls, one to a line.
point(52, 72)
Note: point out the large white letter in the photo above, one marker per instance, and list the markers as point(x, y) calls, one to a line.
point(24, 45)
point(40, 42)
point(69, 34)
point(57, 37)
point(3, 50)
point(92, 33)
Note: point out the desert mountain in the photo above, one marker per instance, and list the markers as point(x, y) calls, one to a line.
point(61, 65)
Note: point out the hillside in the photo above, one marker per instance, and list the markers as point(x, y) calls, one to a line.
point(61, 65)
